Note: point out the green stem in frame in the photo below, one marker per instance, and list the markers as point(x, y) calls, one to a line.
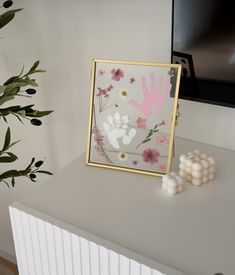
point(151, 132)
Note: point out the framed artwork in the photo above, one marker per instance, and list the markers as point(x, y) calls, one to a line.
point(186, 60)
point(188, 83)
point(132, 116)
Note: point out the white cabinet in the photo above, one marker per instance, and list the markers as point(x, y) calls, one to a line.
point(43, 248)
point(93, 221)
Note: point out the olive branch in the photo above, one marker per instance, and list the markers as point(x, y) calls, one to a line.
point(22, 85)
point(6, 157)
point(17, 86)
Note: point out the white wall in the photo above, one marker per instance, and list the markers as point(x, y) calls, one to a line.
point(207, 123)
point(65, 36)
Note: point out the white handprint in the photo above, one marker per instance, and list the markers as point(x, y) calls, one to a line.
point(116, 127)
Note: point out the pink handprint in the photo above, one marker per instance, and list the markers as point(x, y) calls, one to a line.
point(153, 97)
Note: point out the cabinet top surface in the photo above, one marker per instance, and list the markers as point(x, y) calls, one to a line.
point(192, 231)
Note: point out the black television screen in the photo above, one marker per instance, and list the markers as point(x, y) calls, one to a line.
point(204, 43)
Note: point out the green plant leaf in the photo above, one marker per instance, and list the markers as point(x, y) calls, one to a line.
point(27, 107)
point(5, 99)
point(31, 82)
point(33, 68)
point(20, 120)
point(21, 112)
point(2, 89)
point(39, 113)
point(6, 183)
point(7, 139)
point(146, 140)
point(12, 155)
point(39, 71)
point(13, 181)
point(25, 111)
point(45, 172)
point(27, 169)
point(11, 79)
point(10, 158)
point(4, 118)
point(21, 72)
point(7, 174)
point(7, 17)
point(14, 108)
point(13, 143)
point(11, 91)
point(19, 84)
point(14, 84)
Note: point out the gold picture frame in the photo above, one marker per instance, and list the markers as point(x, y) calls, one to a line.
point(133, 111)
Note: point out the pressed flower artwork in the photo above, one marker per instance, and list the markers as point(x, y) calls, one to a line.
point(117, 74)
point(162, 139)
point(141, 123)
point(132, 116)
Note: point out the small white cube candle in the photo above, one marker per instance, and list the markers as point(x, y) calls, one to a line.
point(196, 167)
point(172, 183)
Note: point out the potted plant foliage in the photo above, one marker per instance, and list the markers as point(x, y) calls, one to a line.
point(23, 84)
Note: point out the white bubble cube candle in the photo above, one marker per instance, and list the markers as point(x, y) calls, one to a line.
point(172, 183)
point(197, 167)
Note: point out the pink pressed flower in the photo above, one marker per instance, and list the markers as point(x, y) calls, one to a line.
point(162, 168)
point(109, 88)
point(101, 72)
point(99, 147)
point(135, 162)
point(141, 123)
point(117, 74)
point(104, 92)
point(162, 140)
point(151, 156)
point(101, 92)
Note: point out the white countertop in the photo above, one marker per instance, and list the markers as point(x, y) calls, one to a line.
point(193, 232)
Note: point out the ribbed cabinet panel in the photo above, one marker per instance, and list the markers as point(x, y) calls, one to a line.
point(45, 249)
